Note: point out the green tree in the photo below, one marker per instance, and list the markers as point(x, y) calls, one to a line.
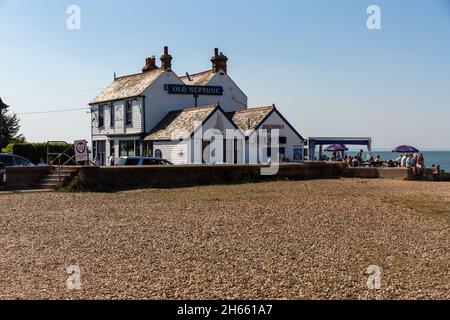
point(9, 126)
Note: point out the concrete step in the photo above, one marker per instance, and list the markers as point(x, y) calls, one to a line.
point(47, 186)
point(51, 180)
point(56, 175)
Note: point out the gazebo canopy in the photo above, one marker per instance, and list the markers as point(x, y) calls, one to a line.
point(346, 141)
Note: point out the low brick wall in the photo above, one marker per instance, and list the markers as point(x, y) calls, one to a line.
point(123, 178)
point(443, 176)
point(385, 173)
point(21, 178)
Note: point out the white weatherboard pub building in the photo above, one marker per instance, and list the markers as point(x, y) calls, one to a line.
point(157, 113)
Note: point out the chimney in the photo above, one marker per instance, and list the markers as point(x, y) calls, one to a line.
point(166, 59)
point(219, 61)
point(150, 64)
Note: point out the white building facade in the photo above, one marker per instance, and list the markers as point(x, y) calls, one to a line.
point(128, 117)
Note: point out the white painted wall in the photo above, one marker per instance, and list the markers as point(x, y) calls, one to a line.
point(174, 151)
point(219, 121)
point(233, 98)
point(158, 103)
point(292, 140)
point(118, 126)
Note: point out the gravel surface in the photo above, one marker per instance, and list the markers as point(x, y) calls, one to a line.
point(281, 240)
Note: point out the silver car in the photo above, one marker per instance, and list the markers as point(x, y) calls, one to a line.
point(142, 161)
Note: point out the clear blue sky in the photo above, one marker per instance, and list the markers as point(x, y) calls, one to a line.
point(316, 60)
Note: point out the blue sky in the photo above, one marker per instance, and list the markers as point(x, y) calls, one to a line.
point(327, 73)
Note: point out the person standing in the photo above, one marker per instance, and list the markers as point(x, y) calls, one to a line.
point(112, 160)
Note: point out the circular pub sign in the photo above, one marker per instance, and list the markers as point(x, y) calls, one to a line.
point(81, 151)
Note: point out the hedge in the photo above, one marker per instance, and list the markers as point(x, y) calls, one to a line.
point(37, 151)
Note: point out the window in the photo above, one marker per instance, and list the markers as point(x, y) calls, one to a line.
point(127, 148)
point(158, 154)
point(7, 160)
point(132, 162)
point(283, 140)
point(21, 162)
point(112, 116)
point(149, 162)
point(101, 116)
point(129, 112)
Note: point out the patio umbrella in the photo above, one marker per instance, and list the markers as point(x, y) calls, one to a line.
point(336, 148)
point(402, 149)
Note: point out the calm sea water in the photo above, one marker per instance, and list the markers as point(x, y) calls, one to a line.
point(431, 157)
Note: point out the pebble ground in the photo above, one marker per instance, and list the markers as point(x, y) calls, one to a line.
point(280, 240)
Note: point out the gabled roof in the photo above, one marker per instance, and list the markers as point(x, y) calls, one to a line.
point(249, 119)
point(180, 124)
point(128, 86)
point(199, 79)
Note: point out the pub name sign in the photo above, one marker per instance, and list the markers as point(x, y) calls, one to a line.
point(194, 90)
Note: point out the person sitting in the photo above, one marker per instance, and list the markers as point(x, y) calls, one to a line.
point(403, 161)
point(408, 161)
point(420, 164)
point(413, 164)
point(391, 164)
point(377, 162)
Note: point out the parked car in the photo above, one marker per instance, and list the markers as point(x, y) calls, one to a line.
point(11, 160)
point(2, 176)
point(142, 161)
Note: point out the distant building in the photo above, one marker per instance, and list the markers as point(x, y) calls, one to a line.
point(158, 113)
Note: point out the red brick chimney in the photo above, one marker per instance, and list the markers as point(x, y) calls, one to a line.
point(219, 61)
point(166, 59)
point(150, 64)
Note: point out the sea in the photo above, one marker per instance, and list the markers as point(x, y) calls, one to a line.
point(441, 158)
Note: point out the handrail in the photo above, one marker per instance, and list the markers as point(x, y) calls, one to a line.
point(59, 157)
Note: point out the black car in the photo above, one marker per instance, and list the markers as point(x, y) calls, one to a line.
point(2, 176)
point(11, 160)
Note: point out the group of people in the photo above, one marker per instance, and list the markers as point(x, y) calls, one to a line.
point(355, 161)
point(414, 161)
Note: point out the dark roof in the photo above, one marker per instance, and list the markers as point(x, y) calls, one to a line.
point(199, 79)
point(249, 119)
point(181, 124)
point(128, 86)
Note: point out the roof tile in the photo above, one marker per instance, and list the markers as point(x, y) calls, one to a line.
point(249, 119)
point(180, 124)
point(128, 86)
point(199, 79)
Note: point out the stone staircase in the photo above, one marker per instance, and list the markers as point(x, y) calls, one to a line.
point(55, 179)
